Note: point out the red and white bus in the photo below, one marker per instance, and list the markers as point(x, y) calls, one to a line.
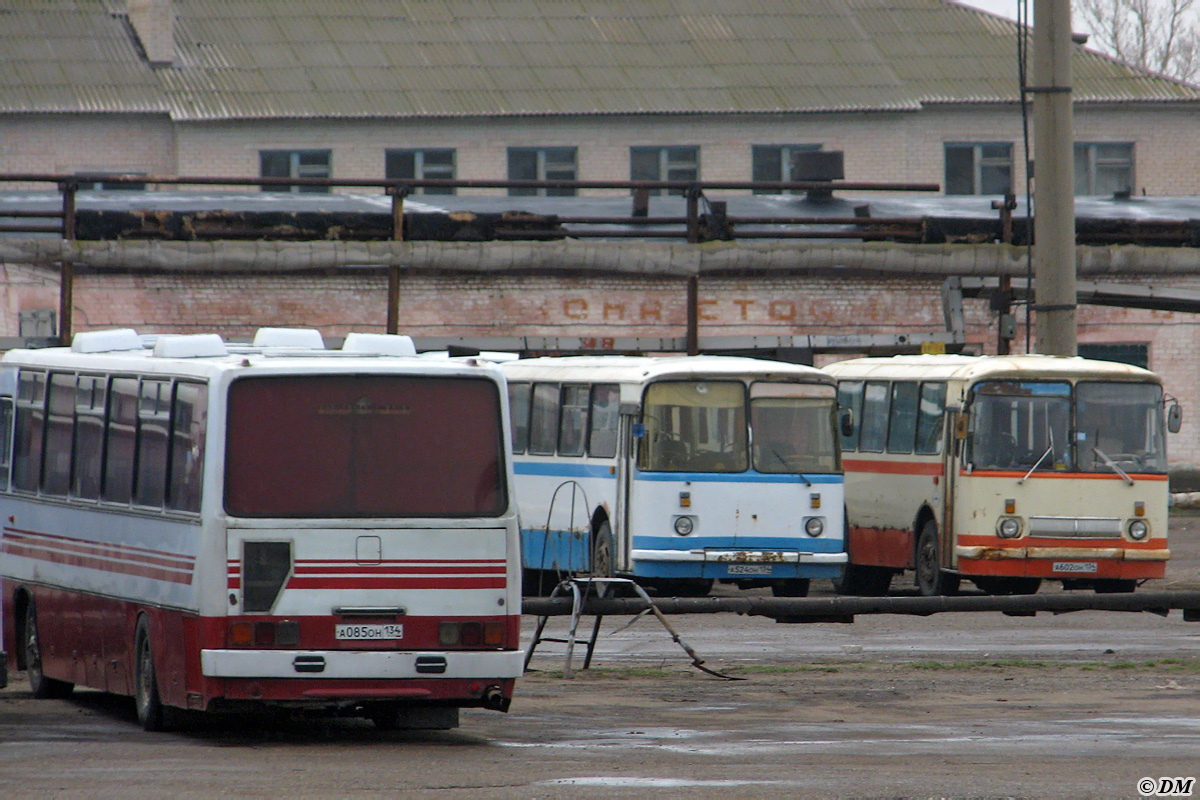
point(1003, 470)
point(215, 527)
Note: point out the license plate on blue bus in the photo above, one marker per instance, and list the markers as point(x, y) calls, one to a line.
point(749, 569)
point(370, 633)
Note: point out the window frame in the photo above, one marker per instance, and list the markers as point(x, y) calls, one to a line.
point(980, 162)
point(421, 169)
point(297, 169)
point(664, 164)
point(1089, 153)
point(784, 153)
point(545, 168)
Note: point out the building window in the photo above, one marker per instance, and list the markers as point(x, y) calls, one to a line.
point(1136, 354)
point(773, 162)
point(979, 168)
point(543, 164)
point(664, 164)
point(295, 164)
point(112, 186)
point(1103, 167)
point(435, 164)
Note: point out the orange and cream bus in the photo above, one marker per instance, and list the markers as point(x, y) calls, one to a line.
point(1005, 471)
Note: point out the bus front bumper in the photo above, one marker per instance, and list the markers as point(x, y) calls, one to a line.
point(740, 556)
point(343, 664)
point(1104, 553)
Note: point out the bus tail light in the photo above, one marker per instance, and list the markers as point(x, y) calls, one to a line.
point(471, 634)
point(264, 633)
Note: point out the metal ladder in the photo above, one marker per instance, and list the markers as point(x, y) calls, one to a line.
point(604, 588)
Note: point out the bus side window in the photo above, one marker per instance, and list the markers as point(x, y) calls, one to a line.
point(573, 420)
point(543, 419)
point(874, 417)
point(929, 418)
point(606, 402)
point(89, 437)
point(189, 424)
point(120, 439)
point(30, 420)
point(60, 426)
point(518, 410)
point(903, 428)
point(850, 396)
point(154, 415)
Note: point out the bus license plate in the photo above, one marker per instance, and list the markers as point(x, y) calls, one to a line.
point(369, 632)
point(1075, 566)
point(749, 569)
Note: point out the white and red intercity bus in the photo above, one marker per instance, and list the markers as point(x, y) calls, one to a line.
point(1004, 470)
point(215, 527)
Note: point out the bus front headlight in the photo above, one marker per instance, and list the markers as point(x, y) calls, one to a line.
point(684, 525)
point(1138, 530)
point(1009, 528)
point(814, 526)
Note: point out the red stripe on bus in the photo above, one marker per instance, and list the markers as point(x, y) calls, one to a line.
point(102, 549)
point(895, 467)
point(362, 569)
point(396, 582)
point(1091, 476)
point(98, 564)
point(983, 540)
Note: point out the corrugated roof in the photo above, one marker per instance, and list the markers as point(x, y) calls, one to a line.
point(404, 58)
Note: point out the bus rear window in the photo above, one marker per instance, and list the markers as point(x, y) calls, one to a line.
point(327, 446)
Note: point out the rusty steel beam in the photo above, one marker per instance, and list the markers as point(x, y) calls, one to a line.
point(844, 609)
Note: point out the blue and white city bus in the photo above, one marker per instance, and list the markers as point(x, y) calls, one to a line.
point(677, 471)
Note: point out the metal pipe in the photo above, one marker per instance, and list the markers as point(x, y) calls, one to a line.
point(812, 609)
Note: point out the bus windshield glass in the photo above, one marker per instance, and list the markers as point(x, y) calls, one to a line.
point(694, 426)
point(1017, 425)
point(1120, 424)
point(792, 428)
point(331, 446)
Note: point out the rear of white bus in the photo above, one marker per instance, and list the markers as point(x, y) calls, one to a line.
point(370, 546)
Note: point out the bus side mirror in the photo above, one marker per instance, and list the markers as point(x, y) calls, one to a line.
point(960, 426)
point(1174, 417)
point(846, 421)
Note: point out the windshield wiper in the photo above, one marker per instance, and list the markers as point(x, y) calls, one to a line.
point(1113, 465)
point(1049, 450)
point(788, 467)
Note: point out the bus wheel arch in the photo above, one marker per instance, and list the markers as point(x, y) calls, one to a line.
point(152, 713)
point(931, 579)
point(603, 548)
point(29, 653)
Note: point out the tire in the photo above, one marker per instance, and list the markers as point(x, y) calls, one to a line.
point(42, 687)
point(861, 581)
point(151, 713)
point(602, 551)
point(932, 580)
point(1115, 586)
point(385, 717)
point(1007, 586)
point(685, 587)
point(797, 587)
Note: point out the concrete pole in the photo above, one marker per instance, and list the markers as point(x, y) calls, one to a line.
point(1054, 179)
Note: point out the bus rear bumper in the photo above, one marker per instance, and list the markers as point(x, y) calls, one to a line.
point(359, 664)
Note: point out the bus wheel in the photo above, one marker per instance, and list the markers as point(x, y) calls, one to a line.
point(42, 687)
point(932, 580)
point(863, 581)
point(1115, 586)
point(602, 551)
point(151, 713)
point(792, 588)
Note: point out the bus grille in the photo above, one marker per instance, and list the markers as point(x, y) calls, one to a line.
point(1075, 527)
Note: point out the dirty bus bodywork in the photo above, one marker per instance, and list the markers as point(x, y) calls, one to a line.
point(1004, 470)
